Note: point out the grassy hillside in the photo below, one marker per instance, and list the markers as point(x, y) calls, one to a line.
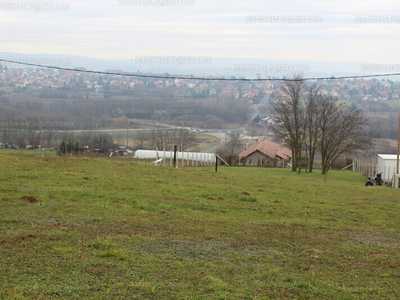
point(80, 228)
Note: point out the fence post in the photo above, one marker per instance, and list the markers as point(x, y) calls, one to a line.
point(369, 170)
point(386, 172)
point(175, 149)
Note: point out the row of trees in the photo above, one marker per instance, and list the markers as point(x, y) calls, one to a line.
point(24, 137)
point(165, 139)
point(94, 139)
point(312, 122)
point(68, 147)
point(90, 113)
point(47, 138)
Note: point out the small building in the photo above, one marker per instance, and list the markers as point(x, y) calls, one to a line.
point(387, 165)
point(266, 153)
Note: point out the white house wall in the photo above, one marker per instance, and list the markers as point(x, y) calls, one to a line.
point(387, 167)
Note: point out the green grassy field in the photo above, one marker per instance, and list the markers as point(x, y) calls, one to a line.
point(29, 152)
point(83, 228)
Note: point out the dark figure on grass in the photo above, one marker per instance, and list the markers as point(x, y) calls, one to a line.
point(369, 182)
point(378, 179)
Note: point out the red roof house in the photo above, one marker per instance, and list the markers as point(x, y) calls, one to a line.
point(266, 152)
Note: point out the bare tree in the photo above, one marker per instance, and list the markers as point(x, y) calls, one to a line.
point(18, 137)
point(233, 140)
point(312, 120)
point(34, 137)
point(289, 113)
point(84, 139)
point(5, 135)
point(168, 138)
point(252, 130)
point(158, 139)
point(185, 139)
point(141, 139)
point(122, 122)
point(49, 136)
point(341, 131)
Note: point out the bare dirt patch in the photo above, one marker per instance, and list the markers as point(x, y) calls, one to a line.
point(30, 199)
point(99, 270)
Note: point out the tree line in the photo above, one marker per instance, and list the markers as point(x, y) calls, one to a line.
point(160, 139)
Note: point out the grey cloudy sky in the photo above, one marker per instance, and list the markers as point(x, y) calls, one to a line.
point(205, 28)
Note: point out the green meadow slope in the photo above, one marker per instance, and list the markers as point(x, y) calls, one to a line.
point(82, 228)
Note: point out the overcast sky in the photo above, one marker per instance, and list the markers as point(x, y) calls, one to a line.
point(328, 30)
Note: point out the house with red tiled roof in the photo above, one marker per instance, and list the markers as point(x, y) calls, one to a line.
point(266, 153)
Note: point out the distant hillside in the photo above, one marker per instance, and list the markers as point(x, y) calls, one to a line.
point(213, 66)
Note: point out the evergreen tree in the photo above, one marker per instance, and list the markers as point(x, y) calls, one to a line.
point(62, 147)
point(76, 148)
point(70, 146)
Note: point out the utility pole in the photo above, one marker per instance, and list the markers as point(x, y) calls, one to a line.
point(126, 137)
point(398, 145)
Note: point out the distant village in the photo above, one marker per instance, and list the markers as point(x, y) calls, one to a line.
point(93, 85)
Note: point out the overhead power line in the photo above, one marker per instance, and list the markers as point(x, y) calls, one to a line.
point(199, 78)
